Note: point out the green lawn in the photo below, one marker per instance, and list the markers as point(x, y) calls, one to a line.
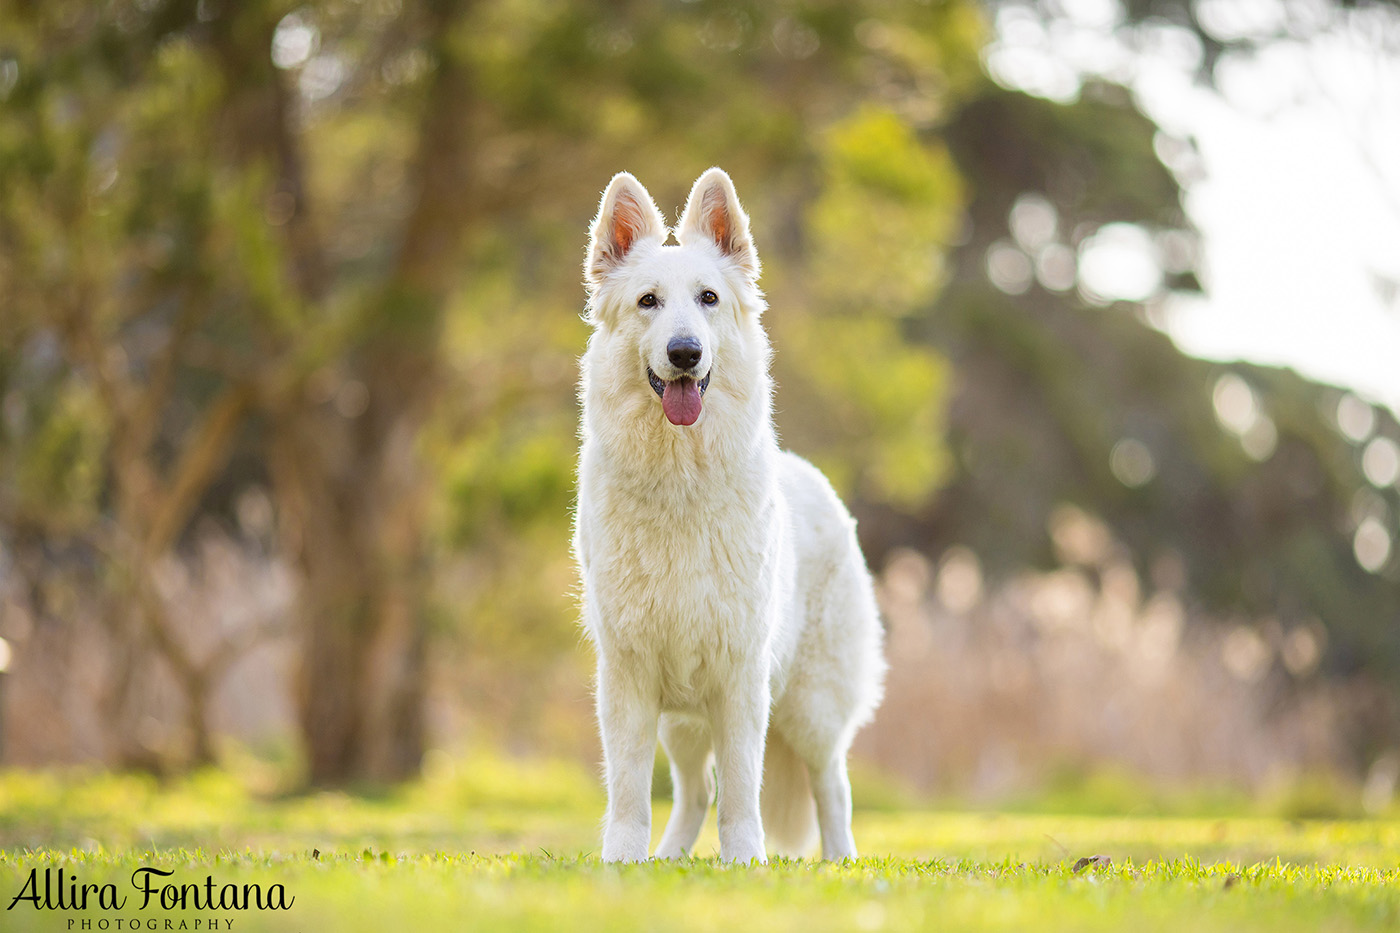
point(499, 845)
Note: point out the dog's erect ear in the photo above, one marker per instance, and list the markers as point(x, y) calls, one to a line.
point(626, 216)
point(713, 213)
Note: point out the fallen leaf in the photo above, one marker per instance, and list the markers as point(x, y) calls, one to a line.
point(1093, 861)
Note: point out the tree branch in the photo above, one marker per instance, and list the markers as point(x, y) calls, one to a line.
point(203, 457)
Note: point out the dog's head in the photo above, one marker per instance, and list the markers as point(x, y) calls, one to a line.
point(682, 309)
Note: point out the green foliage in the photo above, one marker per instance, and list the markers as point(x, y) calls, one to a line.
point(1093, 158)
point(500, 484)
point(59, 472)
point(855, 394)
point(779, 96)
point(888, 417)
point(1049, 385)
point(885, 216)
point(165, 189)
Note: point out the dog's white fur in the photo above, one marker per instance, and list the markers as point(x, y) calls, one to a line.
point(723, 587)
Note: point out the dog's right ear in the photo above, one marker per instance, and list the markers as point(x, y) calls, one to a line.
point(626, 216)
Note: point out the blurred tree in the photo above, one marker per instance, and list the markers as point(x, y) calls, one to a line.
point(1251, 492)
point(1237, 487)
point(333, 248)
point(108, 442)
point(1221, 30)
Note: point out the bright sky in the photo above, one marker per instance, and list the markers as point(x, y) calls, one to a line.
point(1294, 184)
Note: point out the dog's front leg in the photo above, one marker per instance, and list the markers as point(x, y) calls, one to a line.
point(627, 715)
point(740, 725)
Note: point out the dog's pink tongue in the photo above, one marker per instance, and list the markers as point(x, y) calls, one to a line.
point(681, 401)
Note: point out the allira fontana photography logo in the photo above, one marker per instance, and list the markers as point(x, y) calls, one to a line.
point(151, 889)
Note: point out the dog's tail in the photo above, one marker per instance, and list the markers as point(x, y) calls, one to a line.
point(789, 812)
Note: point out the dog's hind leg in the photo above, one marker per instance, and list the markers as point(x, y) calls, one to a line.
point(687, 744)
point(832, 789)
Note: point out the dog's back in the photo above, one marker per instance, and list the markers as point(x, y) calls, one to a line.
point(833, 682)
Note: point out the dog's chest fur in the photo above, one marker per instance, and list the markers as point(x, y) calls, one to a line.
point(680, 552)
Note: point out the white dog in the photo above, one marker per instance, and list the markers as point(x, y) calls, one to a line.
point(722, 584)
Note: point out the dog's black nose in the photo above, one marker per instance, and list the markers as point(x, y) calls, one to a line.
point(684, 352)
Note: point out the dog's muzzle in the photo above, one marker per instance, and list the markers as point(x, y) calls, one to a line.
point(658, 385)
point(682, 398)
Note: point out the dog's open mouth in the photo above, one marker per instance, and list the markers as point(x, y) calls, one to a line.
point(680, 398)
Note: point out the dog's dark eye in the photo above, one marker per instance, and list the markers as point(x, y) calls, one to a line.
point(647, 301)
point(708, 297)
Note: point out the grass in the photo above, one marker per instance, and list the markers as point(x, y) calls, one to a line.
point(499, 845)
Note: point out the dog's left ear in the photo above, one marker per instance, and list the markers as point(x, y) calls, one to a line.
point(712, 212)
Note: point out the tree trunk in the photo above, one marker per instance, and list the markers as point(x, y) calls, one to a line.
point(352, 511)
point(357, 484)
point(350, 488)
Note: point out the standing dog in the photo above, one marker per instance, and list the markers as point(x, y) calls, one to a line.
point(723, 587)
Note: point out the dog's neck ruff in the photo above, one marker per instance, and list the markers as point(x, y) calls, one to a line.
point(640, 448)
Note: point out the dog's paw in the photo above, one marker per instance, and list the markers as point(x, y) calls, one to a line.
point(745, 857)
point(624, 853)
point(624, 858)
point(624, 848)
point(626, 840)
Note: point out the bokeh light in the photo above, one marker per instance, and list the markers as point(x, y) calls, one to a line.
point(1235, 405)
point(1381, 461)
point(1132, 463)
point(1056, 267)
point(1356, 419)
point(1372, 545)
point(1008, 268)
point(294, 41)
point(1118, 263)
point(959, 585)
point(1033, 222)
